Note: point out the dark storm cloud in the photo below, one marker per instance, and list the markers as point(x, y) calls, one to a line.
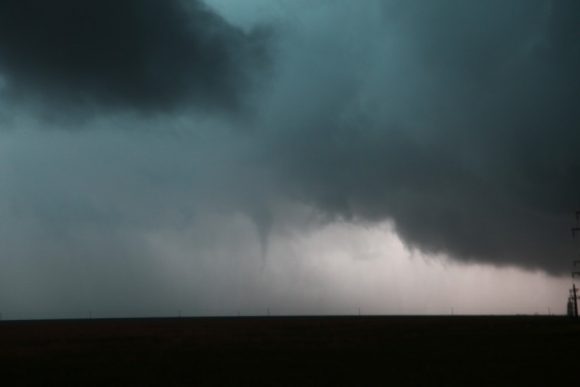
point(465, 129)
point(138, 54)
point(457, 120)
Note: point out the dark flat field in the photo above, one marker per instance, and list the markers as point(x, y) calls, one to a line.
point(292, 351)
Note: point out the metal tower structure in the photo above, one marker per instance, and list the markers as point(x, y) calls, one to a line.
point(573, 296)
point(573, 302)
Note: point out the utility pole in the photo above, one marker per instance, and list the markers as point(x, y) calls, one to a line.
point(573, 297)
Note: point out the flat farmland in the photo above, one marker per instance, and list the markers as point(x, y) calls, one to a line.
point(292, 351)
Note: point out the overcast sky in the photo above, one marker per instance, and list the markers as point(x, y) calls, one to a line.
point(306, 156)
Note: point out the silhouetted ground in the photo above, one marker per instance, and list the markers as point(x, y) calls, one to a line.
point(292, 351)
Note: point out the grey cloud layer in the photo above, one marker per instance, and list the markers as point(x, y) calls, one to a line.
point(457, 120)
point(138, 54)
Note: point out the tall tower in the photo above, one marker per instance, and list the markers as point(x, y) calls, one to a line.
point(570, 308)
point(573, 302)
point(573, 297)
